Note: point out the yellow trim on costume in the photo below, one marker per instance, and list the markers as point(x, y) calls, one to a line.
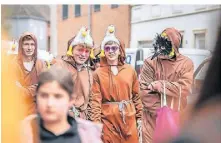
point(84, 33)
point(172, 53)
point(102, 54)
point(164, 34)
point(48, 64)
point(69, 52)
point(111, 29)
point(13, 46)
point(92, 54)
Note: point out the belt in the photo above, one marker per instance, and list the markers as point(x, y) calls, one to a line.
point(121, 106)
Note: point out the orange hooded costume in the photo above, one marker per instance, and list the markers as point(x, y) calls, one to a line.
point(82, 83)
point(177, 72)
point(115, 101)
point(27, 79)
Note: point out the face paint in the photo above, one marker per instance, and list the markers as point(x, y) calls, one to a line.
point(162, 46)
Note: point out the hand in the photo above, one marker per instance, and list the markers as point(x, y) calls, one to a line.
point(155, 86)
point(150, 87)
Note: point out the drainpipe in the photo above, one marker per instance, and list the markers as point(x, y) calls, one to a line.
point(53, 30)
point(89, 17)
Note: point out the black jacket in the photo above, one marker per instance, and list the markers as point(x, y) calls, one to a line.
point(70, 136)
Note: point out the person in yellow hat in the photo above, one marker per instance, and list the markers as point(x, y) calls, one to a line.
point(77, 62)
point(115, 101)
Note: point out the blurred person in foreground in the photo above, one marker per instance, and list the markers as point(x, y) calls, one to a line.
point(168, 65)
point(13, 109)
point(53, 124)
point(204, 124)
point(27, 68)
point(115, 101)
point(77, 62)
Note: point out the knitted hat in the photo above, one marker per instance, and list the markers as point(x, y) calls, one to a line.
point(83, 37)
point(110, 36)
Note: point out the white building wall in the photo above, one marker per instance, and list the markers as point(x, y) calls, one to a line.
point(147, 20)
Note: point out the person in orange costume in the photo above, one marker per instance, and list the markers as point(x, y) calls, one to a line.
point(27, 68)
point(168, 65)
point(77, 62)
point(115, 101)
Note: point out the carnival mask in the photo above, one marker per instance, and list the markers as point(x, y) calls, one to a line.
point(162, 46)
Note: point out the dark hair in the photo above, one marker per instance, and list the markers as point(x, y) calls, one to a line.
point(211, 86)
point(62, 76)
point(27, 38)
point(69, 42)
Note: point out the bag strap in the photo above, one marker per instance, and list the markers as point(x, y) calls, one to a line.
point(172, 102)
point(179, 98)
point(164, 99)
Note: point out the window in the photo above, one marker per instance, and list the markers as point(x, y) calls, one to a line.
point(64, 11)
point(97, 7)
point(136, 13)
point(114, 6)
point(200, 7)
point(177, 9)
point(77, 10)
point(139, 61)
point(199, 41)
point(214, 6)
point(156, 11)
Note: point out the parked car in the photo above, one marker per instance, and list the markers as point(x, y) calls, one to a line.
point(136, 57)
point(198, 76)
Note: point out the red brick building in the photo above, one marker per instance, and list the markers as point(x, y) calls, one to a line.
point(70, 18)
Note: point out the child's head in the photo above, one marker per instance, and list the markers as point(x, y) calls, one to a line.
point(54, 92)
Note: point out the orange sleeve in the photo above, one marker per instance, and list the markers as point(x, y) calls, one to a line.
point(17, 77)
point(95, 100)
point(136, 97)
point(29, 91)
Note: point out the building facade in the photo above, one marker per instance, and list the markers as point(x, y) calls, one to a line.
point(31, 18)
point(70, 18)
point(198, 24)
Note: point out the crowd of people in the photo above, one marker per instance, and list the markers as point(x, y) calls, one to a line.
point(91, 95)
